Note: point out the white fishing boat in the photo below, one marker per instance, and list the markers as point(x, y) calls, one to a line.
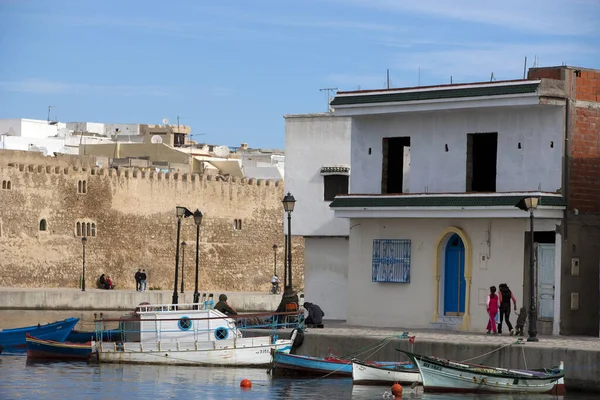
point(183, 335)
point(440, 375)
point(373, 374)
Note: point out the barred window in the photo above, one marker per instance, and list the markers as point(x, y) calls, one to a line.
point(391, 260)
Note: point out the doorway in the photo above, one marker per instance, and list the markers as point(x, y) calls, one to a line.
point(454, 277)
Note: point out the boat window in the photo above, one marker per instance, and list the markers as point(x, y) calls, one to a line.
point(184, 323)
point(221, 333)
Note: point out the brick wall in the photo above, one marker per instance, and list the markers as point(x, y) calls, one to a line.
point(134, 216)
point(545, 73)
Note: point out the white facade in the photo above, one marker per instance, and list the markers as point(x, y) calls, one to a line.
point(314, 141)
point(536, 165)
point(263, 165)
point(311, 142)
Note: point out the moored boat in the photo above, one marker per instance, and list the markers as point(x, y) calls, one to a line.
point(373, 374)
point(293, 364)
point(182, 334)
point(39, 349)
point(57, 331)
point(440, 375)
point(110, 335)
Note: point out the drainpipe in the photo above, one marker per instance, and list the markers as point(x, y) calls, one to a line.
point(566, 166)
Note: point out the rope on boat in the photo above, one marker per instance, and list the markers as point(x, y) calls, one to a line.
point(490, 352)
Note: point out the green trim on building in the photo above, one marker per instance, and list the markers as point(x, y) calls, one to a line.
point(440, 201)
point(435, 94)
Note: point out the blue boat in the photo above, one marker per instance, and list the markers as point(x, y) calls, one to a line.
point(57, 331)
point(39, 349)
point(111, 335)
point(286, 364)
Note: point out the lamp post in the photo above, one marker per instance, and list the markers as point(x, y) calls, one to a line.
point(181, 212)
point(530, 204)
point(198, 221)
point(274, 259)
point(288, 205)
point(83, 242)
point(183, 244)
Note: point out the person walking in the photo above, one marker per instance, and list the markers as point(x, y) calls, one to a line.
point(491, 305)
point(506, 296)
point(143, 278)
point(138, 280)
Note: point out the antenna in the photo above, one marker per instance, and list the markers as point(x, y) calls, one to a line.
point(419, 75)
point(388, 78)
point(451, 79)
point(492, 77)
point(525, 68)
point(329, 91)
point(49, 107)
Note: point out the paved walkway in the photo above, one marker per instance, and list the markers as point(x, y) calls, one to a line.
point(432, 335)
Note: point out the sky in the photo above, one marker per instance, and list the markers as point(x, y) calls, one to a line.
point(232, 69)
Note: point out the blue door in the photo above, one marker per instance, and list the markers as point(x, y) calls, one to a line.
point(454, 277)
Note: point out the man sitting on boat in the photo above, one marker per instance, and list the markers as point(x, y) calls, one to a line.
point(224, 307)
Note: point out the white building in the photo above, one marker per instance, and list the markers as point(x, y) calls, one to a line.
point(317, 168)
point(426, 244)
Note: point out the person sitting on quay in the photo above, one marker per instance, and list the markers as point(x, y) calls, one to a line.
point(223, 307)
point(109, 283)
point(315, 315)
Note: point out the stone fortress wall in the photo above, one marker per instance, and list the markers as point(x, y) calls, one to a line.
point(128, 217)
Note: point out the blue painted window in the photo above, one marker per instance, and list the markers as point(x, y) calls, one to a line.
point(221, 333)
point(184, 323)
point(391, 260)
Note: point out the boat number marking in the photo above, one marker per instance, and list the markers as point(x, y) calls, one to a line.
point(431, 366)
point(263, 351)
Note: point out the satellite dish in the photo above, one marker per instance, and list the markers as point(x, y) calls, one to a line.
point(165, 121)
point(44, 151)
point(34, 148)
point(221, 151)
point(156, 139)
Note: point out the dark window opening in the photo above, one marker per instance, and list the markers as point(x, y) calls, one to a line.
point(482, 154)
point(3, 184)
point(237, 224)
point(8, 185)
point(334, 185)
point(179, 139)
point(544, 237)
point(79, 229)
point(43, 225)
point(396, 155)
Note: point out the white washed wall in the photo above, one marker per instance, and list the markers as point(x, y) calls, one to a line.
point(411, 305)
point(535, 165)
point(326, 274)
point(310, 142)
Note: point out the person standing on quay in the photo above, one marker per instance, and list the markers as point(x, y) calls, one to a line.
point(138, 280)
point(506, 296)
point(143, 278)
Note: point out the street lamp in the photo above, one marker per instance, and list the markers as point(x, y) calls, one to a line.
point(183, 244)
point(274, 259)
point(288, 205)
point(83, 242)
point(198, 221)
point(181, 212)
point(530, 204)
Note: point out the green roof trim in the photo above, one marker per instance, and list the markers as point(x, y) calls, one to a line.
point(435, 94)
point(440, 201)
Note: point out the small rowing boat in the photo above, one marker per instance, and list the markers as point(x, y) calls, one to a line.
point(57, 331)
point(373, 374)
point(39, 349)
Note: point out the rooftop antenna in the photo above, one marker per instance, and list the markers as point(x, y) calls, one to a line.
point(49, 107)
point(492, 77)
point(451, 79)
point(525, 68)
point(388, 78)
point(329, 91)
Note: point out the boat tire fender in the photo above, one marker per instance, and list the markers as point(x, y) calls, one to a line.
point(297, 338)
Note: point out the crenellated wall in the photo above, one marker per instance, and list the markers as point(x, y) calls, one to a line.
point(132, 215)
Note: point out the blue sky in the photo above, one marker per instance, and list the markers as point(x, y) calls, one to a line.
point(232, 69)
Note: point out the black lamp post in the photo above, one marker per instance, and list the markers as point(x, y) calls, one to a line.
point(83, 242)
point(198, 221)
point(288, 205)
point(183, 244)
point(181, 212)
point(530, 204)
point(274, 259)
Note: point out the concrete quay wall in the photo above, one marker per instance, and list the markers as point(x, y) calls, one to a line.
point(105, 300)
point(582, 365)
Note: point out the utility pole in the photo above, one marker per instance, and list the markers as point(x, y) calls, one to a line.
point(49, 107)
point(329, 91)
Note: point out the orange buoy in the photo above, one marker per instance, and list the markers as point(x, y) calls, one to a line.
point(246, 384)
point(397, 389)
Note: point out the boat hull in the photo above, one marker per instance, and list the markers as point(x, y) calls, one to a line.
point(241, 352)
point(286, 364)
point(368, 374)
point(85, 337)
point(449, 377)
point(38, 349)
point(57, 331)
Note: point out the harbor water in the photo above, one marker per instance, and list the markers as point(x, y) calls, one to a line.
point(20, 379)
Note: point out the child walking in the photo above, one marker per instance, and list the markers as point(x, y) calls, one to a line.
point(492, 305)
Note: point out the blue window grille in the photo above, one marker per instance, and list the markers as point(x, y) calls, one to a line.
point(391, 260)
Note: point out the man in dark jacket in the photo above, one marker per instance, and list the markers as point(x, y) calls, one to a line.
point(224, 307)
point(315, 314)
point(138, 279)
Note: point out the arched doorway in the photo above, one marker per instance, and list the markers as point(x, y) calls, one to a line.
point(454, 277)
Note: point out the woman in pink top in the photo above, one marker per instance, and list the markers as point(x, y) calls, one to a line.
point(492, 305)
